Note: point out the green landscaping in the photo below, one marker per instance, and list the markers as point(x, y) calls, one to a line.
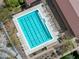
point(73, 55)
point(68, 57)
point(11, 7)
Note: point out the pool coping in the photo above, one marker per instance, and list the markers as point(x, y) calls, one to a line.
point(25, 44)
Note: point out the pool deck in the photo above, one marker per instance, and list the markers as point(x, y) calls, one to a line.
point(51, 27)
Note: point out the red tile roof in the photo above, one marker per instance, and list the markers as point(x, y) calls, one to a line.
point(30, 1)
point(75, 4)
point(70, 15)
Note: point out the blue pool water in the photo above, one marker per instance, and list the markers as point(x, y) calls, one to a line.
point(34, 30)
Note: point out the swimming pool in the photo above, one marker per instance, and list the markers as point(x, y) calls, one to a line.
point(34, 29)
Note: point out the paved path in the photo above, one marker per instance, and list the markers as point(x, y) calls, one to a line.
point(21, 52)
point(16, 52)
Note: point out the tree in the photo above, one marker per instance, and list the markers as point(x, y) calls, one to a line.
point(21, 1)
point(11, 3)
point(70, 56)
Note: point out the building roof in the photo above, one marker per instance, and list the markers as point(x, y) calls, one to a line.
point(68, 9)
point(30, 1)
point(75, 4)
